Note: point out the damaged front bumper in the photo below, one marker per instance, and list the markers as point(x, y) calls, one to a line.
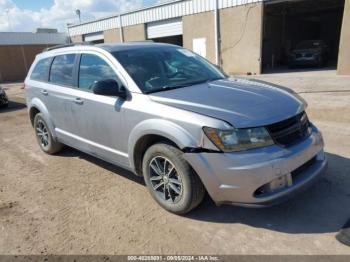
point(261, 177)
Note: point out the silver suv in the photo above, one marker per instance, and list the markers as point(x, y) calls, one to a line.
point(172, 117)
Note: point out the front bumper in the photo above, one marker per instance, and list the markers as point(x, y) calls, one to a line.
point(235, 178)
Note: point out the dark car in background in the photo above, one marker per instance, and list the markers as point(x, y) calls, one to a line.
point(309, 53)
point(3, 98)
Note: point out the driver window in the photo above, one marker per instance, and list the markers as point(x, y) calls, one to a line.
point(93, 68)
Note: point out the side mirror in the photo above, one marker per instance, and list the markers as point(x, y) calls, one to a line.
point(108, 87)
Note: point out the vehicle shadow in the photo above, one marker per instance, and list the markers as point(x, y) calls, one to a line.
point(323, 208)
point(12, 106)
point(71, 152)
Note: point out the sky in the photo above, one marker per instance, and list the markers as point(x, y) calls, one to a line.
point(27, 15)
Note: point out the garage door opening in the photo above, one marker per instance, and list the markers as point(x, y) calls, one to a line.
point(94, 38)
point(168, 31)
point(301, 35)
point(175, 40)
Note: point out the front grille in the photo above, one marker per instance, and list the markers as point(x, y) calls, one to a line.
point(290, 131)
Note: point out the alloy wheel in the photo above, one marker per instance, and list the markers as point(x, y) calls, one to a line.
point(42, 133)
point(165, 179)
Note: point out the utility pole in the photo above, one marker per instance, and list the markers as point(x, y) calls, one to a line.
point(8, 19)
point(78, 14)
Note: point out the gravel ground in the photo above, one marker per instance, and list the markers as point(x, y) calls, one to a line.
point(72, 203)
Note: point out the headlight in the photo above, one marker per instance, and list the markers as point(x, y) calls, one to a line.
point(235, 140)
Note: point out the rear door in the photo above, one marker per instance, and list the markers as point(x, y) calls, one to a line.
point(60, 93)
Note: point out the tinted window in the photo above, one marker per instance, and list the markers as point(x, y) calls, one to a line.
point(41, 70)
point(92, 69)
point(62, 70)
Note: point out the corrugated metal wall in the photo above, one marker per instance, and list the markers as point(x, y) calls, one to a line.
point(156, 13)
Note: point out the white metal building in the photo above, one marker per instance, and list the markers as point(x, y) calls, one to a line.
point(240, 35)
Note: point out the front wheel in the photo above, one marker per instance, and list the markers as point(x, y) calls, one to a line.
point(171, 180)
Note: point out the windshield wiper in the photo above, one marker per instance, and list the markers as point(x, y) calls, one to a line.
point(171, 87)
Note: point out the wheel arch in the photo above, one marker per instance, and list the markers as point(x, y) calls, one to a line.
point(150, 132)
point(33, 111)
point(37, 106)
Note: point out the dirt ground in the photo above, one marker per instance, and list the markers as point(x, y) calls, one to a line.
point(72, 203)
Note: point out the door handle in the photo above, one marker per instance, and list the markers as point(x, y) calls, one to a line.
point(78, 101)
point(44, 92)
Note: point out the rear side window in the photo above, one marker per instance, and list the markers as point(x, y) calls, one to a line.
point(41, 70)
point(62, 70)
point(92, 69)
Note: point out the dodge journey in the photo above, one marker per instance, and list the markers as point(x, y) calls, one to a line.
point(167, 114)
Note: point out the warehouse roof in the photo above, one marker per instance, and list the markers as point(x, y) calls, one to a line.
point(163, 11)
point(27, 38)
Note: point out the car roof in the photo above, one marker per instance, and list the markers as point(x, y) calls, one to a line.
point(113, 47)
point(110, 48)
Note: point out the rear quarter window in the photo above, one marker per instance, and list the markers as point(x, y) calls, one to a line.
point(41, 70)
point(62, 70)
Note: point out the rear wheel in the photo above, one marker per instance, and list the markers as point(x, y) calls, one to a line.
point(44, 137)
point(170, 179)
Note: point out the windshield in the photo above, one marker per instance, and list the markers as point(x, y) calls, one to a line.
point(309, 45)
point(157, 69)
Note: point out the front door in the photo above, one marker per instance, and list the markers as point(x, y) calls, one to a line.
point(98, 119)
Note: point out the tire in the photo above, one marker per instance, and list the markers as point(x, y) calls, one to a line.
point(44, 136)
point(189, 191)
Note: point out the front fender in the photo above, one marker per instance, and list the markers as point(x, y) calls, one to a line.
point(161, 127)
point(39, 105)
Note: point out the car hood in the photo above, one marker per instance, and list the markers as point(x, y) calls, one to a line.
point(240, 102)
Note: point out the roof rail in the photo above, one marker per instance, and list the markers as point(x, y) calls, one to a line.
point(141, 41)
point(66, 45)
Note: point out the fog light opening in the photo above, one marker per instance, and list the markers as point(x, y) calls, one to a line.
point(275, 186)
